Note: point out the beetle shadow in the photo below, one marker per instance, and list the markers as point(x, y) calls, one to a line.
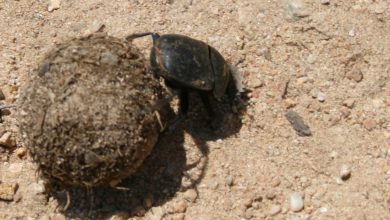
point(155, 182)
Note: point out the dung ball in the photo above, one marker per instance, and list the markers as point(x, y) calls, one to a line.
point(87, 113)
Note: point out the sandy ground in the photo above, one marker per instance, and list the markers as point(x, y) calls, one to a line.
point(330, 63)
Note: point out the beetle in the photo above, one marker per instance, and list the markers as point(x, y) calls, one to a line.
point(186, 65)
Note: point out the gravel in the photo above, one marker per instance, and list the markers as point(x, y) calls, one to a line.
point(297, 123)
point(53, 5)
point(7, 191)
point(180, 206)
point(274, 210)
point(345, 172)
point(296, 202)
point(191, 195)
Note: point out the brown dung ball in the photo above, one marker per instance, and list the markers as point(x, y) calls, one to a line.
point(87, 116)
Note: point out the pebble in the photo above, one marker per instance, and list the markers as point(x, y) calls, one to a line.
point(325, 2)
point(36, 188)
point(180, 206)
point(191, 195)
point(2, 96)
point(349, 103)
point(297, 123)
point(377, 103)
point(352, 33)
point(274, 210)
point(333, 155)
point(270, 195)
point(21, 152)
point(230, 181)
point(345, 172)
point(380, 7)
point(321, 96)
point(369, 124)
point(311, 58)
point(297, 9)
point(53, 5)
point(7, 140)
point(7, 191)
point(15, 167)
point(275, 182)
point(289, 103)
point(179, 216)
point(323, 210)
point(296, 202)
point(355, 75)
point(256, 83)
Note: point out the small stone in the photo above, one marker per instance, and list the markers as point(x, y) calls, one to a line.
point(256, 83)
point(53, 5)
point(345, 172)
point(296, 9)
point(249, 213)
point(323, 210)
point(7, 191)
point(333, 155)
point(325, 2)
point(345, 112)
point(352, 33)
point(180, 216)
point(275, 182)
point(274, 210)
point(387, 101)
point(15, 167)
point(377, 103)
point(311, 58)
point(380, 7)
point(21, 152)
point(36, 188)
point(256, 205)
point(270, 195)
point(230, 181)
point(289, 103)
point(180, 206)
point(297, 123)
point(355, 74)
point(296, 202)
point(7, 140)
point(349, 103)
point(248, 202)
point(321, 96)
point(369, 124)
point(2, 96)
point(190, 195)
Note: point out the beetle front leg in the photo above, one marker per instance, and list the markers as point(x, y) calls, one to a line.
point(183, 99)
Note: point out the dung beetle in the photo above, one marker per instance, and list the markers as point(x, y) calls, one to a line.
point(187, 64)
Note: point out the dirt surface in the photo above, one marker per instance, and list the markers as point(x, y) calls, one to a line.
point(328, 62)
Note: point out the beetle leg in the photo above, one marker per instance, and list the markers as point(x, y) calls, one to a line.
point(183, 98)
point(205, 99)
